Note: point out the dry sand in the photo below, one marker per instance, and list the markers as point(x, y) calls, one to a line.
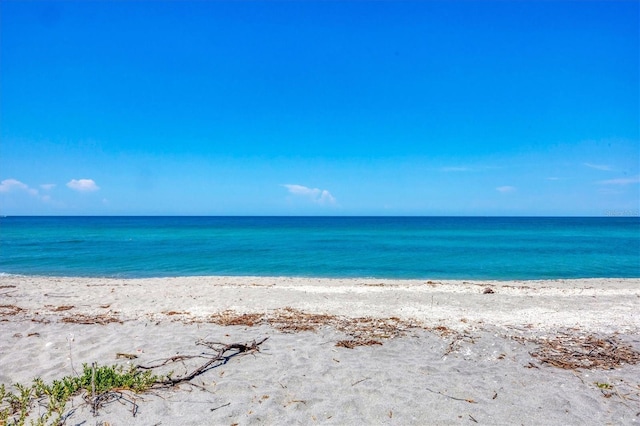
point(425, 352)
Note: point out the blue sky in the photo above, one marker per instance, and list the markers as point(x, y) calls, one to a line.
point(319, 108)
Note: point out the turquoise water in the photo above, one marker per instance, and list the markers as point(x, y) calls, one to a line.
point(383, 247)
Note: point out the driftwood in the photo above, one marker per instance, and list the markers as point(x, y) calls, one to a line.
point(224, 352)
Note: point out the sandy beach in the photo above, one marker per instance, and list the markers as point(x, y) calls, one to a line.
point(352, 351)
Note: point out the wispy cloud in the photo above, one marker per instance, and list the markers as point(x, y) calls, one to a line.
point(9, 185)
point(621, 181)
point(48, 186)
point(506, 189)
point(83, 185)
point(319, 196)
point(602, 167)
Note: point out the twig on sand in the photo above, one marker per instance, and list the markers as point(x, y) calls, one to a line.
point(470, 401)
point(360, 381)
point(576, 374)
point(108, 397)
point(623, 398)
point(222, 406)
point(175, 358)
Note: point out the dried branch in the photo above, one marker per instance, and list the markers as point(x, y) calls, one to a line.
point(223, 355)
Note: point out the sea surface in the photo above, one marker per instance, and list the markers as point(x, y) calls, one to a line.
point(381, 247)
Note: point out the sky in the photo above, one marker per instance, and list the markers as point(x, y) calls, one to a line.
point(509, 108)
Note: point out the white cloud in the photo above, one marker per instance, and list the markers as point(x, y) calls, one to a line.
point(621, 181)
point(602, 167)
point(12, 184)
point(506, 189)
point(326, 198)
point(48, 186)
point(9, 185)
point(299, 189)
point(320, 196)
point(83, 185)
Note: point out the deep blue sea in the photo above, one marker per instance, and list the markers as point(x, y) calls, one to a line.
point(381, 247)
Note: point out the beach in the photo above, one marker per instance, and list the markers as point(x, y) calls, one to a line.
point(337, 351)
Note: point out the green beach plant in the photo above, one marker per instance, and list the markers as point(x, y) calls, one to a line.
point(605, 386)
point(100, 385)
point(93, 382)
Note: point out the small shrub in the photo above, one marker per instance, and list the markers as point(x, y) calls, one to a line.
point(15, 407)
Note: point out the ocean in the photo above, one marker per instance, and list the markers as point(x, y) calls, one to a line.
point(498, 248)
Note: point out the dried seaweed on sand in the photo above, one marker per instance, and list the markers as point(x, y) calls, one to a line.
point(362, 331)
point(91, 319)
point(574, 351)
point(10, 310)
point(228, 317)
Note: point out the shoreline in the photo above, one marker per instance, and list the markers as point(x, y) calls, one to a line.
point(442, 342)
point(318, 277)
point(593, 304)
